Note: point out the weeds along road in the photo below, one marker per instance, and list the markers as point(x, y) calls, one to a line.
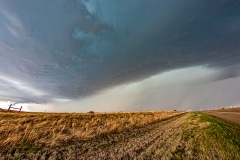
point(188, 136)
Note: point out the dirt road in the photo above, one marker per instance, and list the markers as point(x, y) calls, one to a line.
point(230, 116)
point(148, 142)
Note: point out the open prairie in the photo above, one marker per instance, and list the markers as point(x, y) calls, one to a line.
point(138, 135)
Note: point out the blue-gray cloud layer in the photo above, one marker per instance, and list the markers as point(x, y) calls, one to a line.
point(70, 49)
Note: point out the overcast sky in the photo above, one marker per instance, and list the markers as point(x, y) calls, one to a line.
point(119, 55)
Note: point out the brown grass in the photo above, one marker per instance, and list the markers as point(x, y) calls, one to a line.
point(53, 129)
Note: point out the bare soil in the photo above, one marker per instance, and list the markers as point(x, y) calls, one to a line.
point(237, 109)
point(230, 114)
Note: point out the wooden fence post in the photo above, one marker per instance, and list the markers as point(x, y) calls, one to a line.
point(9, 107)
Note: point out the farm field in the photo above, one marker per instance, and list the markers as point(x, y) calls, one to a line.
point(231, 114)
point(139, 135)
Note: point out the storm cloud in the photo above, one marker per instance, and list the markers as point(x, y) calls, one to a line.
point(55, 51)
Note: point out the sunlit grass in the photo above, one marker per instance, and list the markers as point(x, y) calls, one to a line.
point(221, 134)
point(35, 130)
point(208, 137)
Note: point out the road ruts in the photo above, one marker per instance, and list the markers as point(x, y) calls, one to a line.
point(158, 141)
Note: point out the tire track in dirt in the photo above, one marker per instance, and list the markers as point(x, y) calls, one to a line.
point(161, 137)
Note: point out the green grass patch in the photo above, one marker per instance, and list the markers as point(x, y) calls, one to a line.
point(225, 134)
point(25, 147)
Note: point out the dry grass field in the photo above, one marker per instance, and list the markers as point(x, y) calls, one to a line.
point(139, 135)
point(32, 131)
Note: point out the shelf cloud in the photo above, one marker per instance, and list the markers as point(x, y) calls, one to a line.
point(84, 53)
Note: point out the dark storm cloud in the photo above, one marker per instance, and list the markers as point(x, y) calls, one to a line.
point(69, 49)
